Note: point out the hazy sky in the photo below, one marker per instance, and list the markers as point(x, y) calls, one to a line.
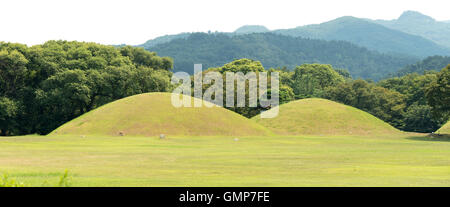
point(134, 22)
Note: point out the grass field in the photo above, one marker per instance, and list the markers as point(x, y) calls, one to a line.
point(152, 114)
point(220, 161)
point(445, 129)
point(315, 116)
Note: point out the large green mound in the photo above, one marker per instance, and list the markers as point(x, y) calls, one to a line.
point(316, 116)
point(444, 129)
point(152, 114)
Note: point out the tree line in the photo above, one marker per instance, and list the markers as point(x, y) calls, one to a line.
point(414, 102)
point(44, 86)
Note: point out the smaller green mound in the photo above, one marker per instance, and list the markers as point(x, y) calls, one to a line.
point(316, 116)
point(152, 114)
point(444, 129)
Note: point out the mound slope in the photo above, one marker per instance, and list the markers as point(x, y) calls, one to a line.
point(316, 116)
point(444, 129)
point(152, 114)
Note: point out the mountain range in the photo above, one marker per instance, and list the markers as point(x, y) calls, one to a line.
point(411, 37)
point(368, 34)
point(415, 23)
point(275, 50)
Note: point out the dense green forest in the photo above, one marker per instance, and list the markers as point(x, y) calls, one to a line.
point(44, 86)
point(215, 49)
point(430, 63)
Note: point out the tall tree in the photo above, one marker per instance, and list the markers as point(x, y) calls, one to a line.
point(383, 103)
point(438, 94)
point(309, 80)
point(8, 113)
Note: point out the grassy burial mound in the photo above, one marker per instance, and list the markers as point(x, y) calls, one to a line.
point(152, 114)
point(316, 116)
point(444, 129)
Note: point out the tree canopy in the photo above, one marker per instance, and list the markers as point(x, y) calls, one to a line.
point(309, 80)
point(438, 94)
point(44, 86)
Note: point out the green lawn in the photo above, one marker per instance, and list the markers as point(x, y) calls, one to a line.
point(217, 161)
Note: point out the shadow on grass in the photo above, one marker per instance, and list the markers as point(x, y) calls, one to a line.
point(434, 138)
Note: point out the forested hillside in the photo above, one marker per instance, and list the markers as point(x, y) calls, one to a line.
point(368, 34)
point(275, 50)
point(415, 23)
point(412, 34)
point(430, 63)
point(163, 39)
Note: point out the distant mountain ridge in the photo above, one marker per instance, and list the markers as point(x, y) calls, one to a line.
point(415, 23)
point(369, 34)
point(275, 50)
point(434, 63)
point(248, 29)
point(391, 45)
point(164, 39)
point(386, 36)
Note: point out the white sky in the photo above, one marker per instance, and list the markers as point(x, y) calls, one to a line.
point(134, 22)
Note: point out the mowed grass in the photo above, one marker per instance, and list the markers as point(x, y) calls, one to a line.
point(444, 129)
point(223, 161)
point(315, 116)
point(152, 114)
